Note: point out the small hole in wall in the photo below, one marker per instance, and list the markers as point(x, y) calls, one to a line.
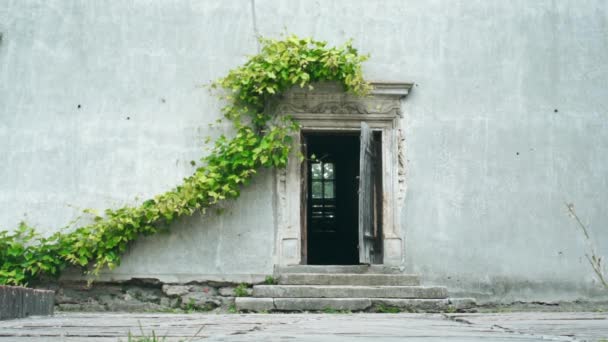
point(517, 153)
point(78, 106)
point(555, 110)
point(128, 118)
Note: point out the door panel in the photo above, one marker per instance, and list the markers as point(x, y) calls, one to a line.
point(369, 230)
point(304, 201)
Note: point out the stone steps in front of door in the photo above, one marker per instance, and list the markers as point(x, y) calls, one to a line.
point(349, 291)
point(370, 279)
point(330, 288)
point(252, 304)
point(339, 269)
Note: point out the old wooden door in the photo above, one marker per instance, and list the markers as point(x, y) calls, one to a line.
point(370, 198)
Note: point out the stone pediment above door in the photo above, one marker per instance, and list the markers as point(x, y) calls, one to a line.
point(328, 101)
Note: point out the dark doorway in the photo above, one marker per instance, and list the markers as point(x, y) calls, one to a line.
point(332, 198)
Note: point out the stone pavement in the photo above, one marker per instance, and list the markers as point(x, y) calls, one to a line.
point(512, 327)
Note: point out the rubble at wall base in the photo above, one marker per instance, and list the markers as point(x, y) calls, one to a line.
point(142, 295)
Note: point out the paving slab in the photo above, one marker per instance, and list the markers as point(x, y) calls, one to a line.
point(511, 327)
point(583, 326)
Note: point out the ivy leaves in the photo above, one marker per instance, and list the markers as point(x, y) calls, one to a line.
point(260, 141)
point(25, 254)
point(282, 64)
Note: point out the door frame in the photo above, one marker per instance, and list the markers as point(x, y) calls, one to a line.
point(328, 109)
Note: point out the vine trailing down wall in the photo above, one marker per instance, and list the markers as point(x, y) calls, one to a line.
point(260, 141)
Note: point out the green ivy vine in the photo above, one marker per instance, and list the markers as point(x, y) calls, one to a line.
point(259, 141)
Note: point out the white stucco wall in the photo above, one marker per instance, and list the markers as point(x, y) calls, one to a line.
point(507, 123)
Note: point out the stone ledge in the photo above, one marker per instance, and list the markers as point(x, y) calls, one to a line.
point(425, 305)
point(349, 291)
point(252, 304)
point(349, 279)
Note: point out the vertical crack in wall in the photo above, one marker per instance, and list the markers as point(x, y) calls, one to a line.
point(255, 25)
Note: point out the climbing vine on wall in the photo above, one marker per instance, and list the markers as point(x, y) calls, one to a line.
point(259, 141)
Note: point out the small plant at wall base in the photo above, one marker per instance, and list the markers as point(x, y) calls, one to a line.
point(270, 280)
point(259, 141)
point(241, 290)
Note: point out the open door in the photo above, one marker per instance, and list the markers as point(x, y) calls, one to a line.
point(370, 198)
point(330, 198)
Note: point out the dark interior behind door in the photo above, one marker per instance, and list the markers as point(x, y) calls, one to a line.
point(332, 201)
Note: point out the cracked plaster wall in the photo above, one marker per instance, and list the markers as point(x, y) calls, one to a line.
point(100, 104)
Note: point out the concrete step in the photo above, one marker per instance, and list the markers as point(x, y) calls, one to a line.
point(333, 269)
point(352, 304)
point(348, 291)
point(348, 279)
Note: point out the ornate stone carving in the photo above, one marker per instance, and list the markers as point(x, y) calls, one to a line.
point(338, 107)
point(402, 165)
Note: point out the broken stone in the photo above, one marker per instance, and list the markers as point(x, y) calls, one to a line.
point(199, 300)
point(87, 307)
point(169, 302)
point(67, 296)
point(145, 294)
point(226, 291)
point(132, 306)
point(83, 295)
point(176, 290)
point(226, 301)
point(145, 282)
point(106, 299)
point(218, 284)
point(208, 290)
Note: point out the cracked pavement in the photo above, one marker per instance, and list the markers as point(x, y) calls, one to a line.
point(512, 327)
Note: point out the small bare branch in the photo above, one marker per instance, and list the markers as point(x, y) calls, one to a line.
point(592, 257)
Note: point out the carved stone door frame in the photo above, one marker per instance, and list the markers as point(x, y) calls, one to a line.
point(327, 108)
